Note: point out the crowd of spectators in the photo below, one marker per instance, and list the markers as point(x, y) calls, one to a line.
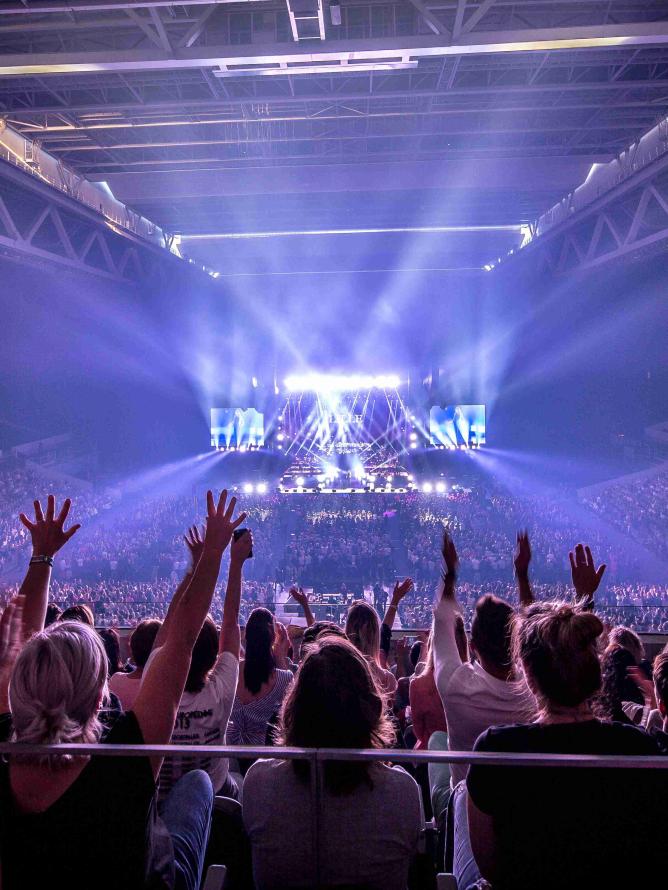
point(638, 506)
point(532, 675)
point(129, 554)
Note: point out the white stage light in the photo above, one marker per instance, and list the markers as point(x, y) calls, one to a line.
point(280, 436)
point(248, 488)
point(299, 481)
point(440, 487)
point(427, 488)
point(254, 382)
point(414, 445)
point(325, 383)
point(261, 488)
point(413, 437)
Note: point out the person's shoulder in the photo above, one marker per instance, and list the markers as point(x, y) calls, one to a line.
point(660, 738)
point(225, 668)
point(632, 738)
point(264, 773)
point(396, 777)
point(506, 738)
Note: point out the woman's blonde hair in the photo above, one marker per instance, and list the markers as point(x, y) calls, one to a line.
point(57, 685)
point(556, 644)
point(363, 629)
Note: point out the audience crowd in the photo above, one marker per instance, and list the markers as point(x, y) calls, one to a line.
point(639, 506)
point(538, 671)
point(129, 554)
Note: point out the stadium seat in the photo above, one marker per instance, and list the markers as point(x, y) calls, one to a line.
point(215, 878)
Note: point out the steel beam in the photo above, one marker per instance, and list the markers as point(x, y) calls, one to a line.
point(199, 105)
point(42, 7)
point(603, 37)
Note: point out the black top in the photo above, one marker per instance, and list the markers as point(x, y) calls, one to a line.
point(573, 827)
point(102, 833)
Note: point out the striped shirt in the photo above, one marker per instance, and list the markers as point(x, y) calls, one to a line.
point(248, 722)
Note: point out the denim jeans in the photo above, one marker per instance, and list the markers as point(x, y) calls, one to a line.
point(439, 777)
point(465, 868)
point(186, 811)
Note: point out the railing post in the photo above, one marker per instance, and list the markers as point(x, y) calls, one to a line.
point(316, 786)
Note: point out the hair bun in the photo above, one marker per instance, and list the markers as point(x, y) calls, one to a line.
point(587, 627)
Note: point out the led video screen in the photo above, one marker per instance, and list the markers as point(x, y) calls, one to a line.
point(237, 428)
point(457, 425)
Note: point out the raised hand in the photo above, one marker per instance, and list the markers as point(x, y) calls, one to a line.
point(194, 543)
point(401, 589)
point(298, 595)
point(586, 577)
point(13, 634)
point(281, 644)
point(449, 552)
point(47, 533)
point(522, 556)
point(644, 684)
point(220, 523)
point(242, 547)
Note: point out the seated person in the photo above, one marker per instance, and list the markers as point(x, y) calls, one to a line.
point(475, 694)
point(126, 686)
point(363, 631)
point(204, 709)
point(563, 827)
point(264, 679)
point(371, 815)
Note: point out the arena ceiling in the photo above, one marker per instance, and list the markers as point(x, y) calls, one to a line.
point(226, 117)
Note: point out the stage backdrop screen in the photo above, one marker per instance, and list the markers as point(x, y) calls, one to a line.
point(237, 428)
point(457, 425)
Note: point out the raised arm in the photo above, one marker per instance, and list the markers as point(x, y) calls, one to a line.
point(521, 562)
point(12, 637)
point(297, 593)
point(586, 577)
point(230, 635)
point(399, 592)
point(281, 646)
point(451, 562)
point(48, 535)
point(195, 545)
point(162, 685)
point(444, 641)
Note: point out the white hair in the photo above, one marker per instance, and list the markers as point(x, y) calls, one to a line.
point(56, 687)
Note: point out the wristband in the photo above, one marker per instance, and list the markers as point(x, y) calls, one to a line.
point(41, 560)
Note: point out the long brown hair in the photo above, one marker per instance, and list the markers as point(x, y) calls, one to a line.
point(335, 703)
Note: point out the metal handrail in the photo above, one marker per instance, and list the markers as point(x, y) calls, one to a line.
point(322, 755)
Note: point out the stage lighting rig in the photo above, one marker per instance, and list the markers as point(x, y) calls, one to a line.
point(336, 383)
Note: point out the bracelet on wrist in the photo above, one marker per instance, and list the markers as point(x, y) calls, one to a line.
point(41, 560)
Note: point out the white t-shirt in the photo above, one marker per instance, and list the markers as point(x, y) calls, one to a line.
point(202, 719)
point(473, 699)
